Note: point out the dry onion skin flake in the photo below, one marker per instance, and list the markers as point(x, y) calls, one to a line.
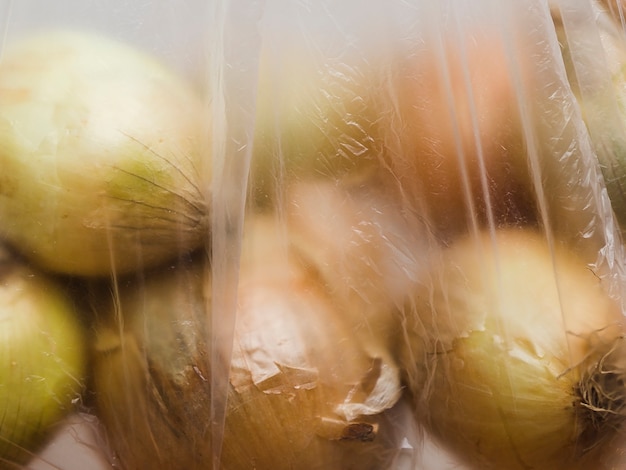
point(42, 361)
point(299, 372)
point(100, 151)
point(303, 391)
point(514, 355)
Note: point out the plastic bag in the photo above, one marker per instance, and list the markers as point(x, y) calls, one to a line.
point(392, 240)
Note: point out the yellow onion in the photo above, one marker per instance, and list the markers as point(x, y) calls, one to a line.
point(514, 355)
point(42, 360)
point(100, 153)
point(302, 393)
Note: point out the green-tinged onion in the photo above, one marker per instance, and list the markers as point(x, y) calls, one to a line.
point(594, 54)
point(100, 149)
point(303, 393)
point(515, 355)
point(42, 360)
point(316, 117)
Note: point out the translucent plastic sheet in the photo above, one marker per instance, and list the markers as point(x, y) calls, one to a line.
point(313, 235)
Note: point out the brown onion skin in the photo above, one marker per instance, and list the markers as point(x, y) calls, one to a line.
point(455, 145)
point(295, 366)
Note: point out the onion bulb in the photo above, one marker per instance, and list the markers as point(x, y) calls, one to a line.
point(514, 355)
point(42, 360)
point(100, 155)
point(594, 54)
point(456, 145)
point(316, 117)
point(302, 393)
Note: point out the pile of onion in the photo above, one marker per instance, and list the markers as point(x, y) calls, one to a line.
point(514, 354)
point(303, 392)
point(365, 275)
point(101, 155)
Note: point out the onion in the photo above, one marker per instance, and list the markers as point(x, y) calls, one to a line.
point(42, 360)
point(100, 151)
point(458, 152)
point(594, 53)
point(316, 117)
point(445, 137)
point(303, 392)
point(514, 355)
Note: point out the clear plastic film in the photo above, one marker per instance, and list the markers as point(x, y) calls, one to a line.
point(317, 235)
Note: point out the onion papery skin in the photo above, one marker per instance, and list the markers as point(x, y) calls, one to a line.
point(499, 342)
point(42, 361)
point(303, 392)
point(100, 146)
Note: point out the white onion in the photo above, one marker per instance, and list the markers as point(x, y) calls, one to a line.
point(514, 355)
point(100, 147)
